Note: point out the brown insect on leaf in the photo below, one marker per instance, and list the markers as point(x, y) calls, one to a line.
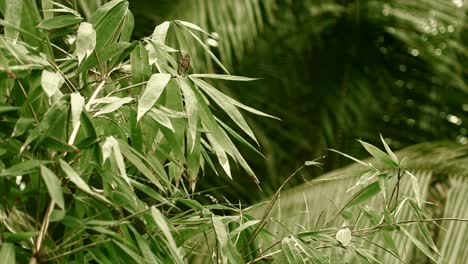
point(183, 64)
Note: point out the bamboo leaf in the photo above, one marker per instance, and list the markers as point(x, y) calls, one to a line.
point(59, 22)
point(51, 82)
point(389, 151)
point(160, 32)
point(192, 26)
point(423, 248)
point(207, 50)
point(79, 182)
point(363, 195)
point(226, 247)
point(53, 186)
point(191, 108)
point(112, 107)
point(226, 104)
point(85, 41)
point(153, 91)
point(223, 77)
point(379, 155)
point(162, 224)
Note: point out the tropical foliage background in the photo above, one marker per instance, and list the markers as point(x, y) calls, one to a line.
point(112, 150)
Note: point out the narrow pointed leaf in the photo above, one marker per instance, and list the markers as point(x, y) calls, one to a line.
point(363, 195)
point(59, 22)
point(162, 224)
point(381, 156)
point(53, 186)
point(223, 77)
point(153, 91)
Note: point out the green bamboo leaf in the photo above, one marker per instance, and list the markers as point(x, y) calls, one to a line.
point(129, 251)
point(363, 195)
point(290, 251)
point(162, 224)
point(22, 125)
point(127, 29)
point(13, 12)
point(7, 253)
point(423, 248)
point(389, 151)
point(63, 8)
point(153, 91)
point(365, 255)
point(227, 98)
point(85, 41)
point(311, 252)
point(51, 82)
point(79, 182)
point(161, 117)
point(223, 77)
point(415, 186)
point(426, 235)
point(7, 108)
point(160, 32)
point(59, 22)
point(207, 50)
point(226, 104)
point(239, 137)
point(191, 26)
point(144, 247)
point(111, 146)
point(53, 186)
point(20, 236)
point(21, 168)
point(53, 143)
point(379, 155)
point(191, 108)
point(389, 242)
point(135, 160)
point(108, 21)
point(112, 107)
point(112, 51)
point(226, 248)
point(220, 141)
point(242, 227)
point(140, 67)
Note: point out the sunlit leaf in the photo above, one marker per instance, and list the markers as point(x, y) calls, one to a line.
point(85, 41)
point(153, 91)
point(51, 82)
point(160, 32)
